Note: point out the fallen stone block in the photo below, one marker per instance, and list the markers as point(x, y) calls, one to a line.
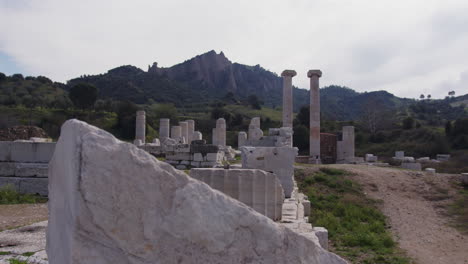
point(322, 235)
point(278, 160)
point(443, 157)
point(430, 170)
point(110, 202)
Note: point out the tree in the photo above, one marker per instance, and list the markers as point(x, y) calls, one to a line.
point(254, 102)
point(126, 116)
point(451, 93)
point(17, 77)
point(408, 123)
point(421, 97)
point(2, 76)
point(303, 116)
point(448, 128)
point(428, 96)
point(83, 95)
point(301, 138)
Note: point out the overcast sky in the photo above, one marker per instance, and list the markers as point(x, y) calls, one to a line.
point(406, 47)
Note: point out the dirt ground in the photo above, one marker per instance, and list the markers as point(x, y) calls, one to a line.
point(415, 203)
point(16, 215)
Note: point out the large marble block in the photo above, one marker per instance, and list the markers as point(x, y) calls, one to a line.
point(110, 202)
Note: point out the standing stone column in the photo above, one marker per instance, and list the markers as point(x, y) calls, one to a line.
point(221, 131)
point(176, 132)
point(214, 137)
point(184, 130)
point(349, 143)
point(164, 126)
point(241, 139)
point(190, 129)
point(314, 138)
point(288, 97)
point(140, 126)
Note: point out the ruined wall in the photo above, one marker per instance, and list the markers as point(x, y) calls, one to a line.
point(24, 165)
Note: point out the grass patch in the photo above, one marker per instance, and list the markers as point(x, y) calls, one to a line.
point(28, 254)
point(9, 195)
point(3, 253)
point(459, 210)
point(17, 261)
point(357, 229)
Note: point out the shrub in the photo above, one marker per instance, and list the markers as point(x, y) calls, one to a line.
point(9, 195)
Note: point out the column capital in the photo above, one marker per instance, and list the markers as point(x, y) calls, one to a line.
point(317, 73)
point(289, 73)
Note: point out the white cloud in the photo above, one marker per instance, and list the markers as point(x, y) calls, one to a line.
point(405, 47)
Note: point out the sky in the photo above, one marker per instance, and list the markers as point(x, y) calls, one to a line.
point(406, 47)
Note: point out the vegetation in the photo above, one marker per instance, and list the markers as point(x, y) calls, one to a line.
point(459, 209)
point(17, 261)
point(357, 229)
point(8, 195)
point(83, 95)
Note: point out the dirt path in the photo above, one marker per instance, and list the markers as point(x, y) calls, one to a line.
point(16, 215)
point(414, 203)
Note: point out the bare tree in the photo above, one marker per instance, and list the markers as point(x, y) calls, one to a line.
point(376, 116)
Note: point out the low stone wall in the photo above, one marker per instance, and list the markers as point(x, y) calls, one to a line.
point(24, 165)
point(256, 188)
point(30, 152)
point(25, 177)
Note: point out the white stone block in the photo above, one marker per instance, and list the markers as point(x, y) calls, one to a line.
point(430, 170)
point(322, 235)
point(198, 157)
point(443, 157)
point(279, 160)
point(214, 156)
point(306, 204)
point(100, 212)
point(399, 154)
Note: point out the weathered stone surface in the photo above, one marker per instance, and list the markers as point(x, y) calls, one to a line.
point(399, 154)
point(256, 188)
point(27, 184)
point(164, 128)
point(322, 235)
point(314, 138)
point(280, 161)
point(430, 170)
point(287, 97)
point(241, 138)
point(110, 202)
point(156, 142)
point(184, 131)
point(371, 158)
point(221, 132)
point(140, 126)
point(443, 157)
point(34, 152)
point(197, 135)
point(190, 130)
point(346, 147)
